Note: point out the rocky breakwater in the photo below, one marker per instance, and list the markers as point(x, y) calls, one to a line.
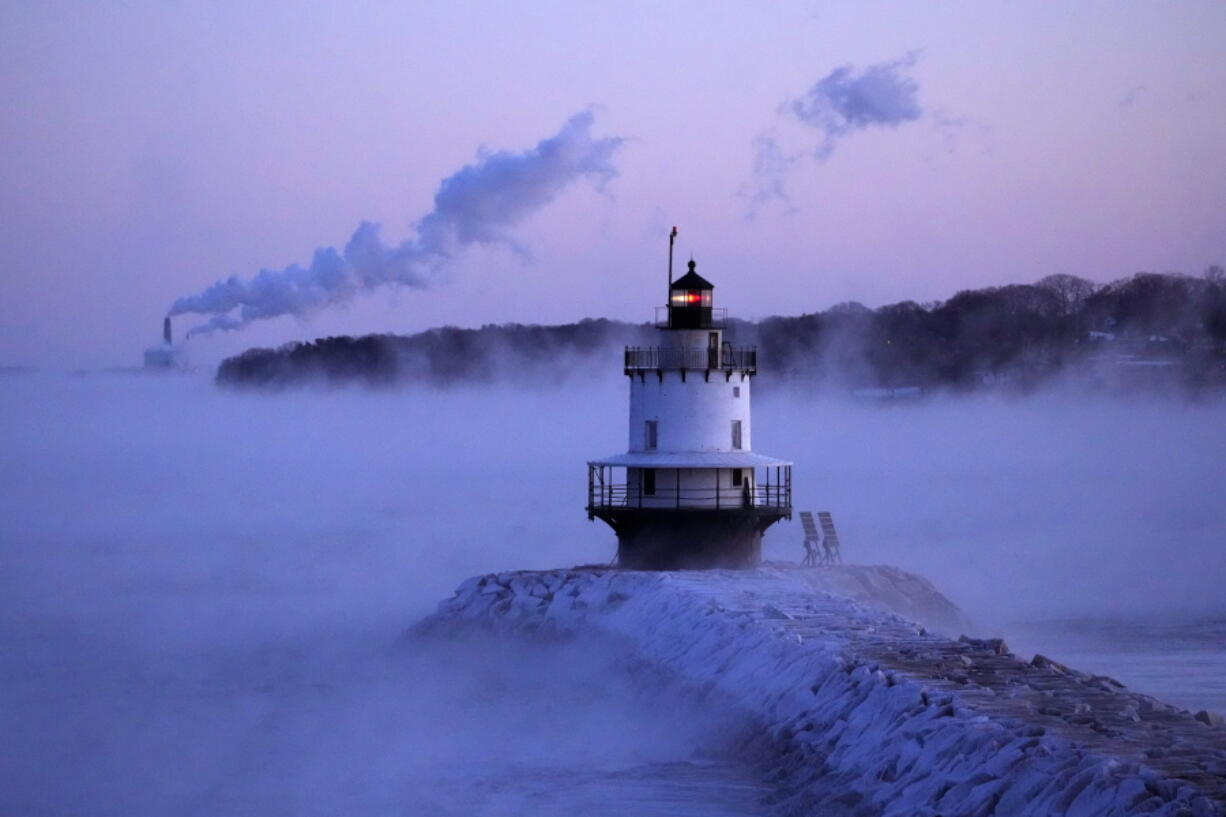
point(860, 710)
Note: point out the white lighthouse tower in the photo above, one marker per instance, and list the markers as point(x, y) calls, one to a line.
point(690, 492)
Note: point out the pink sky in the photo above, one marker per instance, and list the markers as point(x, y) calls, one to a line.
point(151, 149)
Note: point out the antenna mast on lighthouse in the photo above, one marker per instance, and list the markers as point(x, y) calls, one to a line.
point(671, 238)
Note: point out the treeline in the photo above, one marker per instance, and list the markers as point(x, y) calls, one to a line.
point(1159, 329)
point(443, 356)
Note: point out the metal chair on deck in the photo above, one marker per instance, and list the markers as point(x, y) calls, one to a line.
point(830, 540)
point(827, 539)
point(813, 539)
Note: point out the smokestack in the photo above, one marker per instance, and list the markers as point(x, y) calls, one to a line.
point(166, 331)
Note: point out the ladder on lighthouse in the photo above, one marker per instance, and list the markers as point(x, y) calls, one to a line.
point(827, 540)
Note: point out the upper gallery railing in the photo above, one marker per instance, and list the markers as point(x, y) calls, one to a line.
point(658, 358)
point(715, 320)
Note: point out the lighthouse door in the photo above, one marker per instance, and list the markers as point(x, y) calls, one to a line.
point(713, 350)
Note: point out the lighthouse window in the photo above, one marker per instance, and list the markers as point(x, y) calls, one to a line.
point(736, 477)
point(736, 391)
point(691, 297)
point(736, 433)
point(653, 433)
point(649, 481)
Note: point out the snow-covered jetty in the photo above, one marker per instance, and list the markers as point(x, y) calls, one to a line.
point(860, 709)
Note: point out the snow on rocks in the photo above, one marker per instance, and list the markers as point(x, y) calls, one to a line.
point(864, 711)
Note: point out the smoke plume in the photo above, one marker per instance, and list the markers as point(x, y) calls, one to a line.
point(838, 104)
point(844, 101)
point(478, 204)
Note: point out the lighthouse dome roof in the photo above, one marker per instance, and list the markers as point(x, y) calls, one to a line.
point(692, 280)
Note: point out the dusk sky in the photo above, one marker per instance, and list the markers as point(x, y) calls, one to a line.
point(809, 153)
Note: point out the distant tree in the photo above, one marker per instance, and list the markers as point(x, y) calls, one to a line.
point(1151, 303)
point(902, 346)
point(850, 308)
point(1215, 274)
point(998, 329)
point(1069, 289)
point(1215, 312)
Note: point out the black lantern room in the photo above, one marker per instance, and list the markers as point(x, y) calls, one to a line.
point(689, 301)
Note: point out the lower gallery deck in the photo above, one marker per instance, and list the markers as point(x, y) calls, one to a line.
point(705, 488)
point(671, 518)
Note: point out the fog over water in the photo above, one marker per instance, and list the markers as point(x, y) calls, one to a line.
point(203, 592)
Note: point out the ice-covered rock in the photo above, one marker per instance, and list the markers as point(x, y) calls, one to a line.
point(864, 710)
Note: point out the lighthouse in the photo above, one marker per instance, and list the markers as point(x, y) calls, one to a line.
point(690, 492)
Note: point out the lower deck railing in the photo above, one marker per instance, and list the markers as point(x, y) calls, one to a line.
point(630, 496)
